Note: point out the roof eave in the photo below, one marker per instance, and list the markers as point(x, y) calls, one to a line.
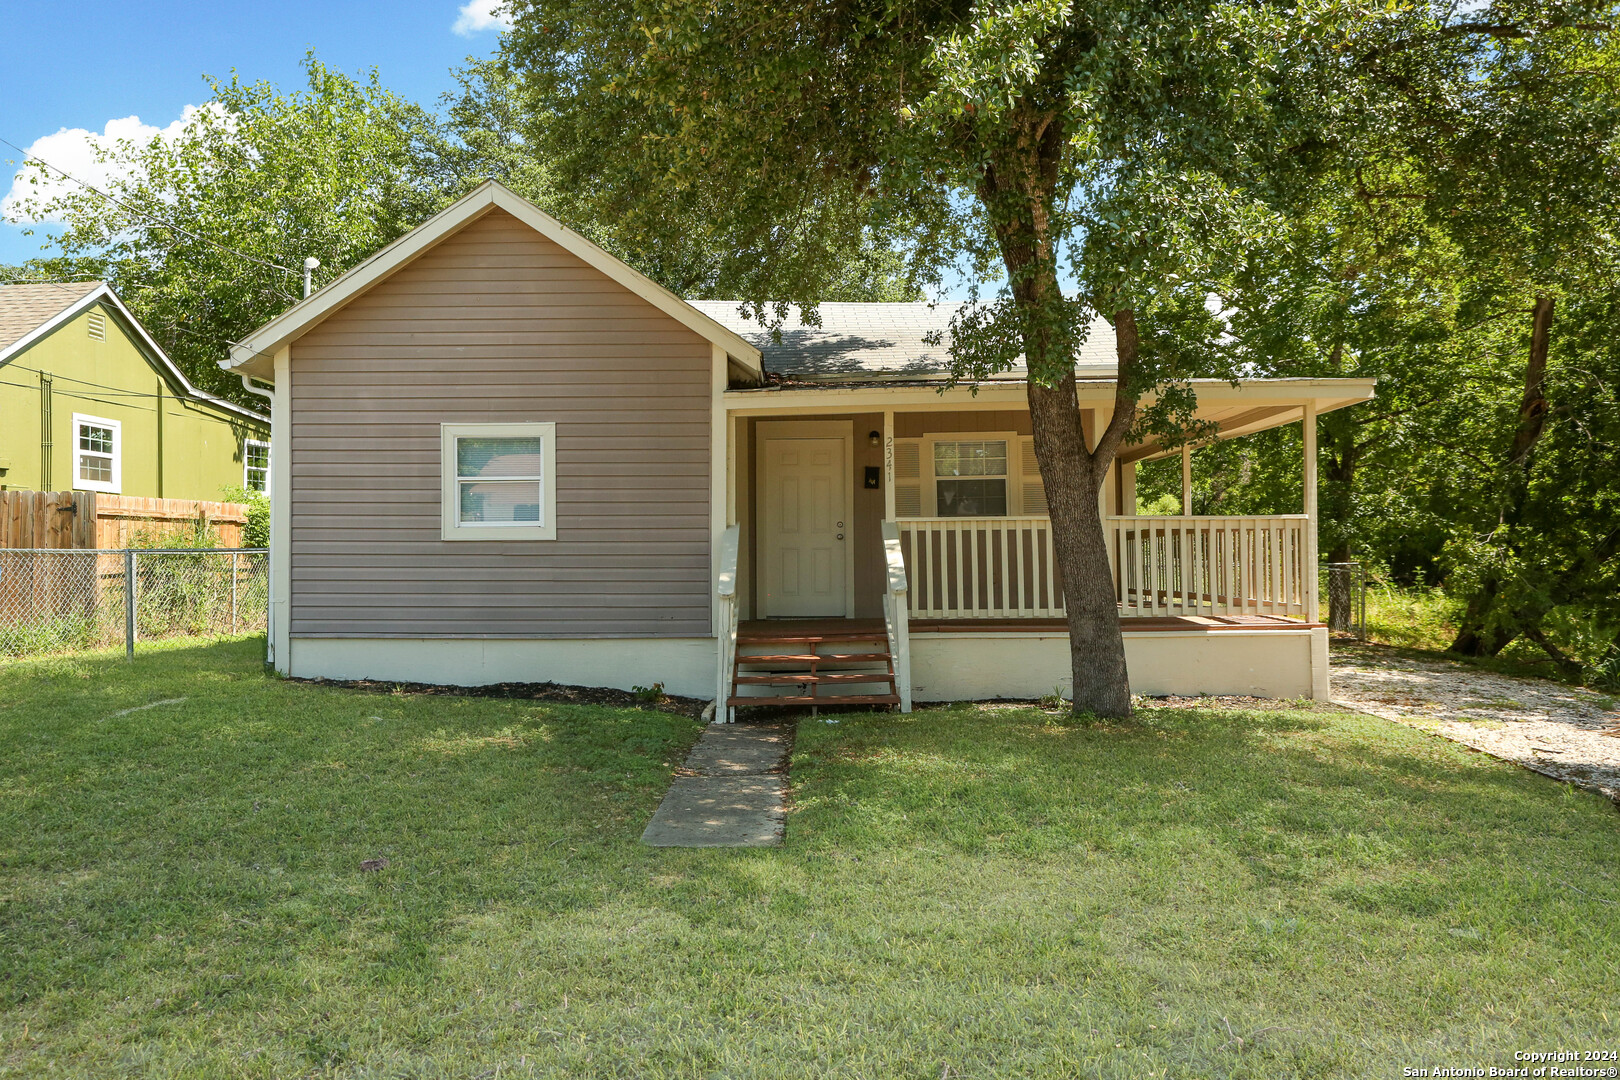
point(49, 326)
point(145, 341)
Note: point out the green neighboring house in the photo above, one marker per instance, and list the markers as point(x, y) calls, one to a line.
point(89, 402)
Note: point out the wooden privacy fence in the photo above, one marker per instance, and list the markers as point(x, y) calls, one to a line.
point(88, 519)
point(1004, 567)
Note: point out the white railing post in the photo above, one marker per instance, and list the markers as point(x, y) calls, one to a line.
point(895, 611)
point(726, 633)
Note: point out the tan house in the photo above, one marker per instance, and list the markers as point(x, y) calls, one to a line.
point(510, 457)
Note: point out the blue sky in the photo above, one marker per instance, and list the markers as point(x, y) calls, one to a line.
point(131, 70)
point(84, 65)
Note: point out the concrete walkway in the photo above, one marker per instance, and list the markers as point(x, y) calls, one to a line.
point(731, 791)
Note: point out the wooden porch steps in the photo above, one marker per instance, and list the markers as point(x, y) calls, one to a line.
point(792, 656)
point(825, 658)
point(794, 678)
point(766, 637)
point(828, 699)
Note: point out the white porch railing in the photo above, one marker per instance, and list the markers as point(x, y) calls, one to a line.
point(725, 589)
point(981, 568)
point(1004, 567)
point(1212, 565)
point(896, 613)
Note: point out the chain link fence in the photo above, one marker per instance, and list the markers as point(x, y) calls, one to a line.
point(60, 600)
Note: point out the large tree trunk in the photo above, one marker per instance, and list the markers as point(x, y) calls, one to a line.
point(1017, 190)
point(1339, 487)
point(1101, 684)
point(1474, 637)
point(1341, 479)
point(1533, 402)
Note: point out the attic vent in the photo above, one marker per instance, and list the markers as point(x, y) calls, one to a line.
point(97, 325)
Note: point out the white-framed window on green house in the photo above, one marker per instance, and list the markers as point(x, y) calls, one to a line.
point(97, 454)
point(256, 465)
point(970, 477)
point(499, 481)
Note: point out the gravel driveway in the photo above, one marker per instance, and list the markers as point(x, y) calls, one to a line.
point(1563, 731)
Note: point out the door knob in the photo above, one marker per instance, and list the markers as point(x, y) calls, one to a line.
point(840, 536)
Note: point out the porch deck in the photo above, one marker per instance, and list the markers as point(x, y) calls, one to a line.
point(756, 631)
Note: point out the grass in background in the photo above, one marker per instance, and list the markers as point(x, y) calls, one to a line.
point(1411, 618)
point(1424, 621)
point(964, 892)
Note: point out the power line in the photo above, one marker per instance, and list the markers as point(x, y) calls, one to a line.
point(104, 387)
point(164, 224)
point(147, 217)
point(87, 397)
point(62, 285)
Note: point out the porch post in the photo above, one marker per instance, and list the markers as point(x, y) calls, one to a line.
point(732, 475)
point(721, 509)
point(1312, 611)
point(888, 465)
point(1186, 479)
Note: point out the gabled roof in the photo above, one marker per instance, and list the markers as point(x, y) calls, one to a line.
point(254, 354)
point(28, 311)
point(881, 341)
point(31, 312)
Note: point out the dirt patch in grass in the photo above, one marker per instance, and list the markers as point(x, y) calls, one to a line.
point(554, 693)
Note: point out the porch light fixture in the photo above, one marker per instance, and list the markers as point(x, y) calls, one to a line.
point(875, 438)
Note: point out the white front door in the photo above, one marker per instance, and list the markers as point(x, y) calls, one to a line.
point(803, 540)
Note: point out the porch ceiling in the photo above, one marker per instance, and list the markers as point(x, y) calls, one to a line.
point(1233, 421)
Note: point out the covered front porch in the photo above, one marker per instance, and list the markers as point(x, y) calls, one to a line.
point(923, 514)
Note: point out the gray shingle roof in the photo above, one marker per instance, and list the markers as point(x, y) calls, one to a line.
point(877, 341)
point(26, 307)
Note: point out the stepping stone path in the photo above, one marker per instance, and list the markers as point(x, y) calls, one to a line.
point(731, 792)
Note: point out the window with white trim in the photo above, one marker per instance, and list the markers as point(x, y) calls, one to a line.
point(255, 465)
point(970, 477)
point(96, 454)
point(990, 474)
point(499, 481)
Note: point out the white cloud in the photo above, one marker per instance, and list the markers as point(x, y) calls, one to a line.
point(479, 15)
point(73, 150)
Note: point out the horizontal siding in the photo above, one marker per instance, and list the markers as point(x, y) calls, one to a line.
point(918, 424)
point(499, 325)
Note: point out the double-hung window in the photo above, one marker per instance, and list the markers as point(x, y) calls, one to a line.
point(499, 481)
point(255, 465)
point(970, 477)
point(96, 454)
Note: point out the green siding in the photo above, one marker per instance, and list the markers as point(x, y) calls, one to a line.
point(197, 456)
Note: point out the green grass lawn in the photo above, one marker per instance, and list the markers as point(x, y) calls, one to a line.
point(964, 892)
